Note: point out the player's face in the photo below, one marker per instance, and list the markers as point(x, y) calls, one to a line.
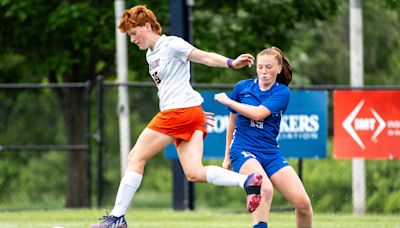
point(138, 36)
point(268, 69)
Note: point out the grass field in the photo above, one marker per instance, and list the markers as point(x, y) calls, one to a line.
point(168, 218)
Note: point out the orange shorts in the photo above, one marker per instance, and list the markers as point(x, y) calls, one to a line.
point(180, 123)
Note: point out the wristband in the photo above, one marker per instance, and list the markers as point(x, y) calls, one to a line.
point(229, 63)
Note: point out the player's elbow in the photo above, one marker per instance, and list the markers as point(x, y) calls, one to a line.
point(258, 117)
point(260, 113)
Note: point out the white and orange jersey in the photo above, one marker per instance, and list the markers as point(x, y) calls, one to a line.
point(170, 69)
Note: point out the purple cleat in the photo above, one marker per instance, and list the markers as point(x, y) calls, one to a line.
point(110, 221)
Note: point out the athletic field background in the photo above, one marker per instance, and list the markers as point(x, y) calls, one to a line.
point(167, 218)
point(37, 179)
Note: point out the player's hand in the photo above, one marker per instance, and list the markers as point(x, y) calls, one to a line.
point(222, 98)
point(243, 60)
point(226, 163)
point(209, 116)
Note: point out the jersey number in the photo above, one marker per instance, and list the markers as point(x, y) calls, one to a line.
point(247, 154)
point(155, 77)
point(257, 124)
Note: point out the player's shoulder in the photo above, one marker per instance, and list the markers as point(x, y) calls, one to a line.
point(242, 84)
point(171, 37)
point(281, 88)
point(174, 39)
point(176, 44)
point(168, 41)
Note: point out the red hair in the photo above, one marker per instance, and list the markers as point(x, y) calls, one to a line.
point(138, 16)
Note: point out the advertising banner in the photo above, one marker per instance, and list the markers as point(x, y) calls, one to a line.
point(304, 125)
point(303, 132)
point(366, 124)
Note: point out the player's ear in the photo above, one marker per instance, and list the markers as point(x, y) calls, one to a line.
point(279, 68)
point(148, 26)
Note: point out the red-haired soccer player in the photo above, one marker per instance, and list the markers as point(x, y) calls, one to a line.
point(181, 118)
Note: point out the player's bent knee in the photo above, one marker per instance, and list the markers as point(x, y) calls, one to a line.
point(191, 178)
point(267, 191)
point(134, 160)
point(194, 176)
point(303, 205)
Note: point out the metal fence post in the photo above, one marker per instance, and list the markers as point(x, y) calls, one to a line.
point(100, 139)
point(183, 191)
point(88, 138)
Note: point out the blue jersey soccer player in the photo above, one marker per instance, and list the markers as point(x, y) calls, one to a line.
point(256, 107)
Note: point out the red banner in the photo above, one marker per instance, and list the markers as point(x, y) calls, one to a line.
point(366, 124)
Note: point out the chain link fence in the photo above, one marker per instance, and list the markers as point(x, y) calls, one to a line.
point(34, 146)
point(34, 162)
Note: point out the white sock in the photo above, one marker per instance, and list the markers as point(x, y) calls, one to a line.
point(127, 189)
point(223, 177)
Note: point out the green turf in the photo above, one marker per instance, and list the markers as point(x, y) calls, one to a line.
point(187, 219)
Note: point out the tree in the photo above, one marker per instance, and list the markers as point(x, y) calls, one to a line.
point(60, 41)
point(241, 26)
point(73, 41)
point(323, 50)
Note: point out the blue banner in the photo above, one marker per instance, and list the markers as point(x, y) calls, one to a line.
point(303, 133)
point(304, 125)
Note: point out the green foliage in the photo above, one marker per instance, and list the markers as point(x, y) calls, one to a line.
point(27, 180)
point(328, 183)
point(58, 37)
point(327, 62)
point(381, 46)
point(60, 41)
point(321, 52)
point(13, 68)
point(69, 41)
point(393, 4)
point(19, 115)
point(38, 182)
point(44, 187)
point(380, 188)
point(235, 27)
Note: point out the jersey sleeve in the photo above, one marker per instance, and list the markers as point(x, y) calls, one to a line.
point(277, 102)
point(180, 49)
point(236, 93)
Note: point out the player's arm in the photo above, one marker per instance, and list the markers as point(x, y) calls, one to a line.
point(256, 113)
point(216, 60)
point(229, 132)
point(229, 136)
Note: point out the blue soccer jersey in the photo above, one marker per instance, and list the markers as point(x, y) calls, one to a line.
point(259, 135)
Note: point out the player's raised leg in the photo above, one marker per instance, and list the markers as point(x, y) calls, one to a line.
point(190, 155)
point(261, 215)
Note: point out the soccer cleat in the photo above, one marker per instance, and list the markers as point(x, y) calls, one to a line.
point(252, 186)
point(111, 221)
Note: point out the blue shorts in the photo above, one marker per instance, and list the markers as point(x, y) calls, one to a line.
point(272, 162)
